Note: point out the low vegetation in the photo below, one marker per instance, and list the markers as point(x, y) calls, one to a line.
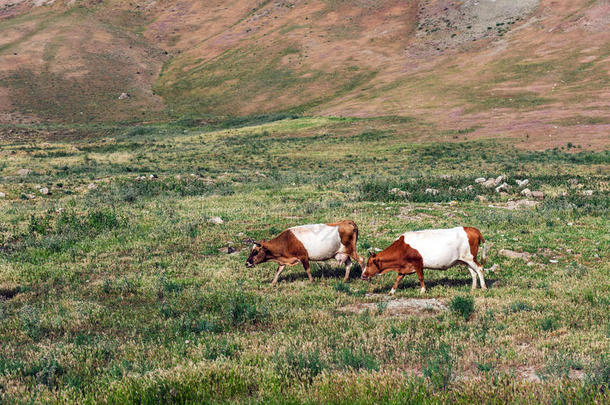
point(118, 287)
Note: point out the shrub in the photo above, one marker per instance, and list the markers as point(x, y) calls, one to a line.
point(356, 359)
point(463, 306)
point(303, 364)
point(438, 366)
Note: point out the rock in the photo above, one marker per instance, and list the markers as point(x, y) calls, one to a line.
point(502, 187)
point(511, 254)
point(44, 191)
point(513, 205)
point(539, 195)
point(153, 176)
point(489, 183)
point(24, 172)
point(124, 96)
point(216, 220)
point(227, 249)
point(469, 188)
point(30, 196)
point(553, 261)
point(411, 306)
point(522, 183)
point(482, 198)
point(259, 174)
point(573, 181)
point(479, 180)
point(492, 269)
point(402, 193)
point(445, 176)
point(498, 180)
point(432, 191)
point(394, 190)
point(92, 186)
point(2, 195)
point(587, 192)
point(526, 192)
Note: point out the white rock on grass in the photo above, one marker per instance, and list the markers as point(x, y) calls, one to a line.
point(432, 191)
point(44, 191)
point(526, 192)
point(587, 192)
point(24, 172)
point(2, 195)
point(489, 183)
point(502, 187)
point(216, 220)
point(538, 195)
point(479, 179)
point(92, 186)
point(511, 254)
point(498, 180)
point(522, 183)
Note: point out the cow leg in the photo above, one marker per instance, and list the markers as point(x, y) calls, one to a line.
point(474, 277)
point(348, 267)
point(395, 286)
point(280, 268)
point(419, 269)
point(306, 267)
point(475, 268)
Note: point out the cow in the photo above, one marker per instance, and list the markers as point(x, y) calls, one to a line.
point(305, 243)
point(437, 249)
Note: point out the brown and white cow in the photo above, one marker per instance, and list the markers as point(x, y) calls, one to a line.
point(432, 249)
point(305, 243)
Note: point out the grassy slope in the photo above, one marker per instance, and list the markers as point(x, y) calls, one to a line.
point(318, 57)
point(122, 293)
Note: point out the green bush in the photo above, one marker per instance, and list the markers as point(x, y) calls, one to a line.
point(438, 365)
point(462, 305)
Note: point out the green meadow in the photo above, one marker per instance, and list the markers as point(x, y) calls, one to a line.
point(117, 288)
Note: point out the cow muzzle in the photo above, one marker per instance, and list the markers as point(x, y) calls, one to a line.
point(249, 265)
point(365, 278)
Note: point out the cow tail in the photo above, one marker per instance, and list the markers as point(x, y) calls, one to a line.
point(484, 253)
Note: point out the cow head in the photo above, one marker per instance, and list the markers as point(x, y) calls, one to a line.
point(258, 254)
point(372, 267)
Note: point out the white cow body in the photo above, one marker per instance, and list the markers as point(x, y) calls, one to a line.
point(321, 241)
point(440, 248)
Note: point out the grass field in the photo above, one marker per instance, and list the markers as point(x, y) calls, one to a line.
point(117, 288)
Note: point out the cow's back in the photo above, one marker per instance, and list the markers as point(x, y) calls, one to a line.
point(439, 248)
point(320, 240)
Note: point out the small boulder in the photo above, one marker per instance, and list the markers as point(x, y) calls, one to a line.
point(216, 220)
point(522, 183)
point(489, 183)
point(513, 205)
point(2, 195)
point(124, 96)
point(44, 191)
point(92, 186)
point(573, 181)
point(502, 187)
point(445, 176)
point(498, 180)
point(539, 195)
point(259, 174)
point(402, 193)
point(526, 192)
point(511, 254)
point(482, 198)
point(587, 192)
point(24, 172)
point(479, 180)
point(432, 191)
point(30, 196)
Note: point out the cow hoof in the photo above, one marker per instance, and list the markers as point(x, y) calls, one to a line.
point(422, 291)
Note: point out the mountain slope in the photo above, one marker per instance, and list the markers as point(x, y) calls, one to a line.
point(498, 66)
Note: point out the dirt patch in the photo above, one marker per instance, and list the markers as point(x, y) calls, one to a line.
point(395, 307)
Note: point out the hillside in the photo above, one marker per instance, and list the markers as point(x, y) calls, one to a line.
point(513, 67)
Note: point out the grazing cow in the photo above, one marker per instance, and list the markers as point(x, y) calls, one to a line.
point(316, 242)
point(437, 249)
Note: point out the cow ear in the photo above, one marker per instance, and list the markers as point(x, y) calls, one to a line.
point(373, 254)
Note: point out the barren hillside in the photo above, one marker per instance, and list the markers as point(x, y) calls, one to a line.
point(515, 67)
